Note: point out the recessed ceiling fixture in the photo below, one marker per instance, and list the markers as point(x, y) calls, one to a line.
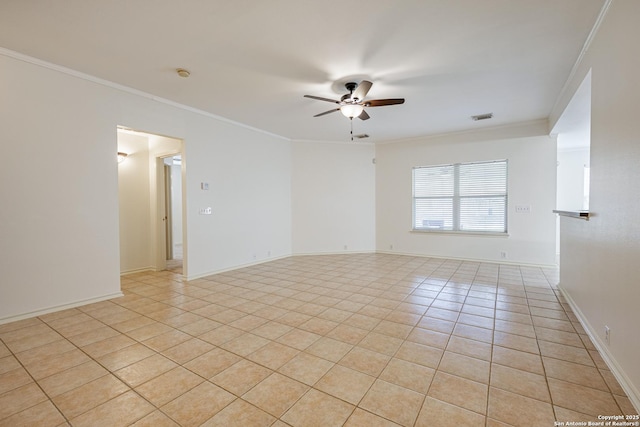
point(183, 73)
point(482, 117)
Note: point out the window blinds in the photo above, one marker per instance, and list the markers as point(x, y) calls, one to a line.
point(469, 197)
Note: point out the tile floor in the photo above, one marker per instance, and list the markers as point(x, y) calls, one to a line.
point(353, 340)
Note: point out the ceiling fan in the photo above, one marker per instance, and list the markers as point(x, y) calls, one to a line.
point(353, 103)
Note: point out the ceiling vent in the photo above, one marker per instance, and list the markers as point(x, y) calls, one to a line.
point(482, 117)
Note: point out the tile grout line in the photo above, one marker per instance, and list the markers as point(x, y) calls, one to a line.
point(49, 398)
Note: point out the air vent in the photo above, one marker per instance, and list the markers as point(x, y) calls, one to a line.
point(361, 136)
point(482, 117)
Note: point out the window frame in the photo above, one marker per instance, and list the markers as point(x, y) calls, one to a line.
point(456, 199)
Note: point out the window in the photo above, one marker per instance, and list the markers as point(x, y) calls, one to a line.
point(467, 197)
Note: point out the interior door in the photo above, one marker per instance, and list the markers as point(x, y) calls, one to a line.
point(161, 217)
point(168, 219)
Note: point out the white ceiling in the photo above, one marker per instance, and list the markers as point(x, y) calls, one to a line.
point(252, 61)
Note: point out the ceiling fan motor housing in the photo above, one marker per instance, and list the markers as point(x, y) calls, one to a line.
point(351, 86)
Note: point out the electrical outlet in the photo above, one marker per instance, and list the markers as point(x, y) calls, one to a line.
point(346, 247)
point(391, 247)
point(607, 335)
point(503, 255)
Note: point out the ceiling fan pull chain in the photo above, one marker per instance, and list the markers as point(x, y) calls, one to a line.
point(351, 121)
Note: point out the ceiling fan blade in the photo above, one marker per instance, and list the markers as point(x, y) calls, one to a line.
point(319, 98)
point(362, 90)
point(327, 112)
point(383, 102)
point(363, 115)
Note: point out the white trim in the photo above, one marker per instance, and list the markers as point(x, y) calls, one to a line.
point(236, 267)
point(394, 252)
point(334, 253)
point(321, 141)
point(460, 233)
point(583, 52)
point(485, 261)
point(138, 270)
point(632, 392)
point(39, 62)
point(59, 308)
point(473, 131)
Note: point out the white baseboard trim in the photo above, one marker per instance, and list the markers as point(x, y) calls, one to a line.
point(333, 253)
point(59, 308)
point(223, 270)
point(137, 270)
point(262, 261)
point(486, 261)
point(235, 267)
point(632, 392)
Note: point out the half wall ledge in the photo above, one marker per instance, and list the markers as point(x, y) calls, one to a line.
point(574, 214)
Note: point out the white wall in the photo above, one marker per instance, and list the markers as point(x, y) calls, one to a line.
point(59, 233)
point(249, 176)
point(532, 172)
point(333, 197)
point(134, 203)
point(59, 216)
point(571, 165)
point(599, 266)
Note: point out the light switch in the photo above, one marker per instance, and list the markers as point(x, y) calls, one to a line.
point(523, 208)
point(205, 211)
point(204, 185)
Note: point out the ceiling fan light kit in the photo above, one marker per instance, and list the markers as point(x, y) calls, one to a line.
point(351, 110)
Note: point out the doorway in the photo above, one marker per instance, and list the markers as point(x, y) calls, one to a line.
point(151, 196)
point(172, 169)
point(573, 130)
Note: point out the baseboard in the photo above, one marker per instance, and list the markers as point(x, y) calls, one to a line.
point(262, 261)
point(333, 253)
point(137, 270)
point(486, 261)
point(59, 308)
point(632, 392)
point(235, 267)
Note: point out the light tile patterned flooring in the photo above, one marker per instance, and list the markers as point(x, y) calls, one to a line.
point(354, 340)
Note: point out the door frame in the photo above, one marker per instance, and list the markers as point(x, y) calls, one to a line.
point(168, 216)
point(160, 211)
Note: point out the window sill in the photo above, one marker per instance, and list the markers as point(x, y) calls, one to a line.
point(461, 233)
